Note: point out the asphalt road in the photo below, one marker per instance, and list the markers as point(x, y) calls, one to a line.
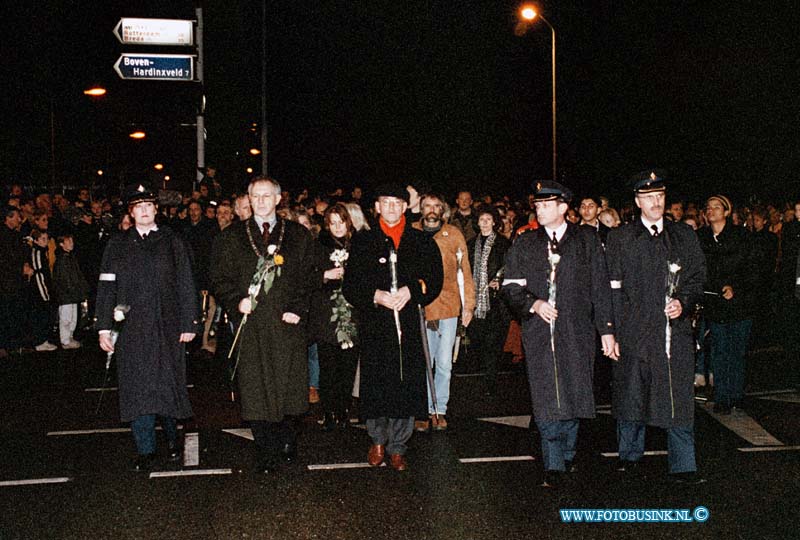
point(52, 432)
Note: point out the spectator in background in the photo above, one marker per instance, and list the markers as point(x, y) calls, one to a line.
point(729, 300)
point(464, 219)
point(69, 290)
point(14, 269)
point(40, 316)
point(241, 207)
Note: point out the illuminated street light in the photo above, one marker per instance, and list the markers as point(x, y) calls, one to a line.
point(158, 166)
point(249, 170)
point(99, 172)
point(254, 151)
point(95, 91)
point(529, 13)
point(166, 178)
point(137, 135)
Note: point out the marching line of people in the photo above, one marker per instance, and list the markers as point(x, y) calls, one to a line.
point(385, 294)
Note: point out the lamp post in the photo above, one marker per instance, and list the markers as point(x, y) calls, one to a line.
point(529, 13)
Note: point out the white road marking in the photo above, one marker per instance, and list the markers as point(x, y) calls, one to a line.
point(87, 431)
point(768, 448)
point(496, 459)
point(191, 450)
point(334, 466)
point(114, 388)
point(96, 431)
point(648, 453)
point(771, 392)
point(515, 421)
point(35, 481)
point(244, 433)
point(195, 472)
point(744, 426)
point(788, 397)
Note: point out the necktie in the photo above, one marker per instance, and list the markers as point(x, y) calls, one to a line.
point(655, 230)
point(144, 236)
point(265, 233)
point(554, 242)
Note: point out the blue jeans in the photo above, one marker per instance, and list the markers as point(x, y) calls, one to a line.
point(144, 432)
point(441, 343)
point(680, 445)
point(728, 346)
point(313, 366)
point(559, 438)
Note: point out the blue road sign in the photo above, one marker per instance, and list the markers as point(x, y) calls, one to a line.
point(155, 67)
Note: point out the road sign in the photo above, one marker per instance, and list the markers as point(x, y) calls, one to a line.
point(155, 67)
point(154, 31)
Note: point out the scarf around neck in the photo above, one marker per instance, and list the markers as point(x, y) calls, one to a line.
point(395, 232)
point(480, 274)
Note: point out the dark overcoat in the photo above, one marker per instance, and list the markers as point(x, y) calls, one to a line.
point(273, 356)
point(561, 383)
point(154, 277)
point(383, 393)
point(649, 387)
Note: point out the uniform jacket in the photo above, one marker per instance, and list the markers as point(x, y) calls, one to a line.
point(273, 362)
point(154, 277)
point(383, 391)
point(561, 383)
point(448, 304)
point(648, 386)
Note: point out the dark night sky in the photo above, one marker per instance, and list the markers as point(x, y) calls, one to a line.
point(362, 91)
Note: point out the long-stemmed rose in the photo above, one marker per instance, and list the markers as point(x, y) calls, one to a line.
point(342, 311)
point(553, 257)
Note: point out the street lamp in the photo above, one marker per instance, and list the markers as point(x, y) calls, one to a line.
point(95, 91)
point(528, 13)
point(137, 135)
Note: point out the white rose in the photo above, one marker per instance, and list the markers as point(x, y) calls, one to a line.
point(119, 315)
point(674, 268)
point(271, 249)
point(555, 258)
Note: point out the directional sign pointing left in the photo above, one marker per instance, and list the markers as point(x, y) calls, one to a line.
point(134, 31)
point(155, 67)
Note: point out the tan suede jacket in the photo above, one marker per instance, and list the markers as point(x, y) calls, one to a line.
point(448, 303)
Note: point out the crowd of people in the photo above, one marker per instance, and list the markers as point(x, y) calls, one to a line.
point(326, 296)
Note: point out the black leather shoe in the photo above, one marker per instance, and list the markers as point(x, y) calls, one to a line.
point(144, 462)
point(174, 451)
point(686, 478)
point(266, 466)
point(625, 466)
point(289, 453)
point(721, 408)
point(551, 479)
point(329, 422)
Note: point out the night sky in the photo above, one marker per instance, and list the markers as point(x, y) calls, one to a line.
point(443, 92)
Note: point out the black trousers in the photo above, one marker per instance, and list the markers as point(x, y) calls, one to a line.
point(337, 370)
point(273, 437)
point(486, 338)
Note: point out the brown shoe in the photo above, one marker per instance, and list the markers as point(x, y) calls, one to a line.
point(375, 455)
point(421, 425)
point(398, 462)
point(439, 422)
point(313, 395)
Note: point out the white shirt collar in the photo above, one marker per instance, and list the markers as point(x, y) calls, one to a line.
point(560, 230)
point(143, 232)
point(649, 224)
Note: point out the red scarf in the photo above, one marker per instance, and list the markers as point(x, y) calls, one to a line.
point(394, 231)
